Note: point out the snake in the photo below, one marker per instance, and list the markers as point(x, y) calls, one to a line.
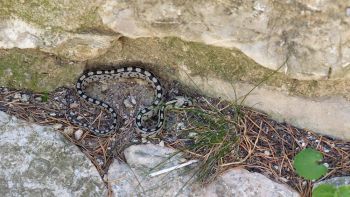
point(143, 114)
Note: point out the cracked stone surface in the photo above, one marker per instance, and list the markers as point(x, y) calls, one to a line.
point(313, 34)
point(38, 161)
point(132, 179)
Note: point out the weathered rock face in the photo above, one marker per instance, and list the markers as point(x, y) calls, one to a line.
point(132, 179)
point(38, 161)
point(15, 33)
point(312, 36)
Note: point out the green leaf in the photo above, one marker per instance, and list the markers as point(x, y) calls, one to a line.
point(324, 190)
point(343, 191)
point(306, 164)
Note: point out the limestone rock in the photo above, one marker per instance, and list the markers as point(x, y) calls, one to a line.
point(240, 182)
point(314, 35)
point(133, 178)
point(17, 33)
point(38, 161)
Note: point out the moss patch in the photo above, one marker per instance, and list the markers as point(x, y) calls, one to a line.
point(30, 69)
point(61, 14)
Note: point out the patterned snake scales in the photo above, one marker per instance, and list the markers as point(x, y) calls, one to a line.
point(143, 114)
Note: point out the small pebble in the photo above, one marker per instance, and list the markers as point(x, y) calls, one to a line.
point(326, 164)
point(52, 114)
point(180, 126)
point(161, 143)
point(143, 140)
point(38, 98)
point(25, 98)
point(17, 96)
point(68, 130)
point(57, 126)
point(73, 105)
point(276, 167)
point(326, 150)
point(105, 178)
point(192, 134)
point(99, 161)
point(266, 152)
point(78, 133)
point(127, 103)
point(133, 100)
point(284, 179)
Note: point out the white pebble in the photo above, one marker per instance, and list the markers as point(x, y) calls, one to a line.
point(144, 140)
point(25, 98)
point(52, 114)
point(133, 100)
point(192, 134)
point(78, 133)
point(161, 143)
point(127, 103)
point(266, 152)
point(326, 164)
point(38, 98)
point(180, 126)
point(68, 130)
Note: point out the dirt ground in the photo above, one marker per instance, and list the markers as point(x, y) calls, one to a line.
point(263, 145)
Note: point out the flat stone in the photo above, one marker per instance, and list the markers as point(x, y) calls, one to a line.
point(39, 161)
point(312, 36)
point(240, 182)
point(133, 178)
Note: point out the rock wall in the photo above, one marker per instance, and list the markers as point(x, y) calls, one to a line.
point(225, 47)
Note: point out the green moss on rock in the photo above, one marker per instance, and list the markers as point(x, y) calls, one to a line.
point(60, 14)
point(30, 69)
point(207, 61)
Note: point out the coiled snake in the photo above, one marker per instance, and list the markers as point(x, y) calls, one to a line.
point(143, 114)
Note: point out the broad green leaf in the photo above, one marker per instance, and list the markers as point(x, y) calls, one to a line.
point(324, 190)
point(306, 164)
point(343, 191)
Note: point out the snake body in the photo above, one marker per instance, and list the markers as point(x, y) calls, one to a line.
point(126, 72)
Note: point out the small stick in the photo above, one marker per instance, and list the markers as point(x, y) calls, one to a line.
point(173, 168)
